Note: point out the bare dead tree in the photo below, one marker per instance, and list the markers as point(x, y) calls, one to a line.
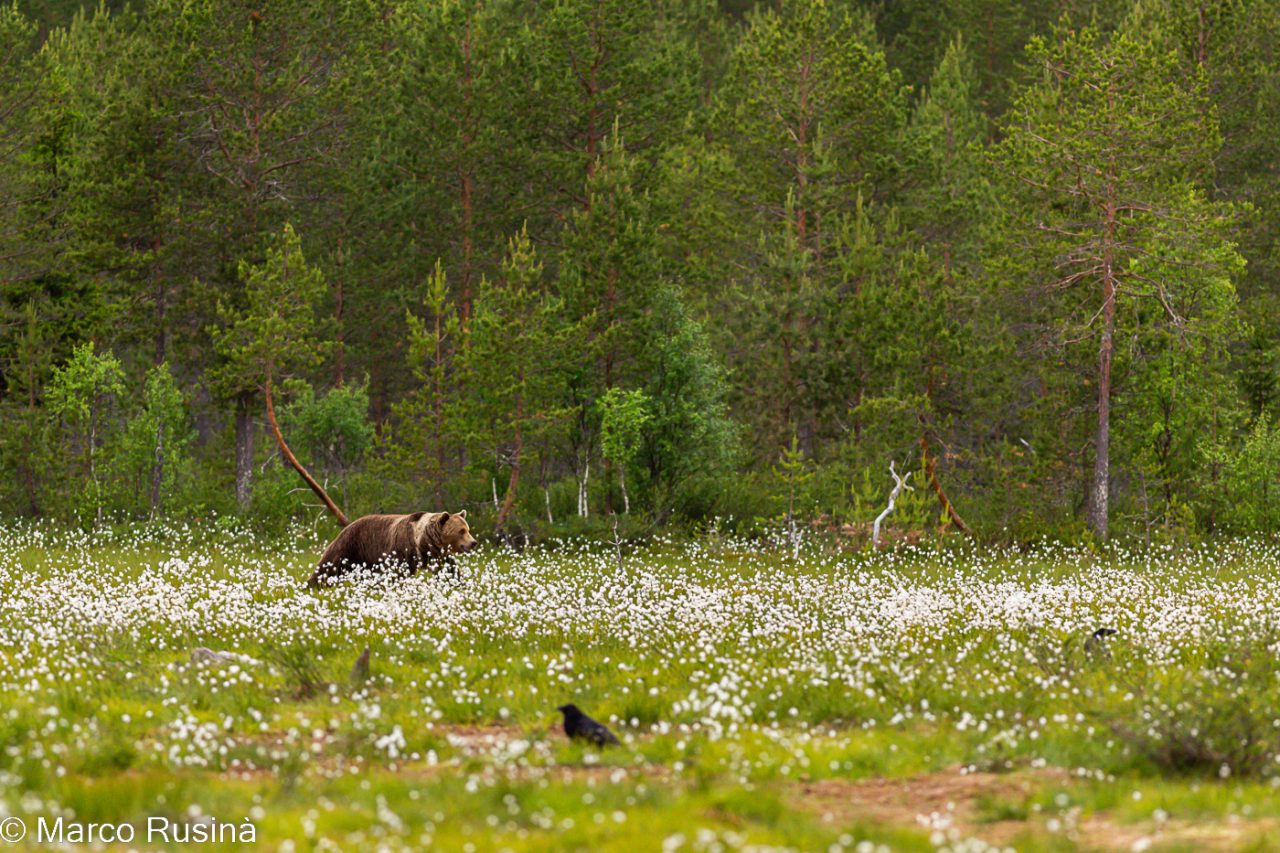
point(582, 489)
point(900, 483)
point(617, 540)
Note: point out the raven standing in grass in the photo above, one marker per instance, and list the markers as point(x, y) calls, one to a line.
point(1097, 642)
point(578, 726)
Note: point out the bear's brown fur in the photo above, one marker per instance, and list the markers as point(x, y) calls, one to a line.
point(412, 540)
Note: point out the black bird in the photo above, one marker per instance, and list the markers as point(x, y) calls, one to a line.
point(1097, 642)
point(578, 726)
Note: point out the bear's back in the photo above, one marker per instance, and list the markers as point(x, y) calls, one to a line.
point(368, 541)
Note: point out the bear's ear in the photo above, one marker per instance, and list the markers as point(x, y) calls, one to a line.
point(442, 518)
point(462, 513)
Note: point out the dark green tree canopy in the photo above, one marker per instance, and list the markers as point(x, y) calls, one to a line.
point(591, 259)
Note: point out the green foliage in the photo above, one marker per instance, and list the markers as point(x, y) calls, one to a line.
point(152, 454)
point(1247, 497)
point(951, 199)
point(518, 361)
point(795, 472)
point(589, 69)
point(274, 334)
point(811, 118)
point(26, 447)
point(878, 230)
point(80, 388)
point(423, 427)
point(689, 431)
point(81, 394)
point(809, 102)
point(449, 59)
point(1107, 157)
point(1210, 714)
point(623, 416)
point(24, 181)
point(1229, 48)
point(333, 428)
point(1258, 378)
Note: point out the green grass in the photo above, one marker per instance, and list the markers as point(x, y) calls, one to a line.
point(762, 701)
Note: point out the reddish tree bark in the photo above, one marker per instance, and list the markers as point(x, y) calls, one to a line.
point(931, 474)
point(293, 460)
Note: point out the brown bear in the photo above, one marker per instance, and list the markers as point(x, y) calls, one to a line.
point(413, 540)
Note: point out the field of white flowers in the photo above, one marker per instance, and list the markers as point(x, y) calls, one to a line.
point(907, 700)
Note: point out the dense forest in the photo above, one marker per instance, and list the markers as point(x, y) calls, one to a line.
point(570, 262)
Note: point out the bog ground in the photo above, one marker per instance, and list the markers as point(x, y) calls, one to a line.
point(915, 700)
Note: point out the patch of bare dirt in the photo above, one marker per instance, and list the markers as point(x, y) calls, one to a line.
point(1097, 833)
point(931, 801)
point(478, 735)
point(958, 804)
point(951, 802)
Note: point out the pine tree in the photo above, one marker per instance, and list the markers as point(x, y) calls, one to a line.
point(608, 268)
point(35, 125)
point(949, 202)
point(122, 170)
point(810, 118)
point(811, 111)
point(21, 186)
point(426, 423)
point(518, 358)
point(274, 335)
point(1105, 155)
point(25, 445)
point(254, 92)
point(447, 162)
point(154, 442)
point(948, 198)
point(1232, 46)
point(595, 68)
point(29, 329)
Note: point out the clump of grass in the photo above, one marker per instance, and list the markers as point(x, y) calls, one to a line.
point(108, 758)
point(1215, 711)
point(299, 663)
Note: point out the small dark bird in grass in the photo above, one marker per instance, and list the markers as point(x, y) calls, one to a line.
point(360, 672)
point(578, 726)
point(1097, 642)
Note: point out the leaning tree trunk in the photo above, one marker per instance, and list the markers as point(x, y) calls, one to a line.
point(931, 475)
point(293, 460)
point(930, 462)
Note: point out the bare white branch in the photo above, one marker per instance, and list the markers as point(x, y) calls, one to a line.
point(900, 483)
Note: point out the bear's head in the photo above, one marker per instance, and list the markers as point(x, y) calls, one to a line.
point(454, 535)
